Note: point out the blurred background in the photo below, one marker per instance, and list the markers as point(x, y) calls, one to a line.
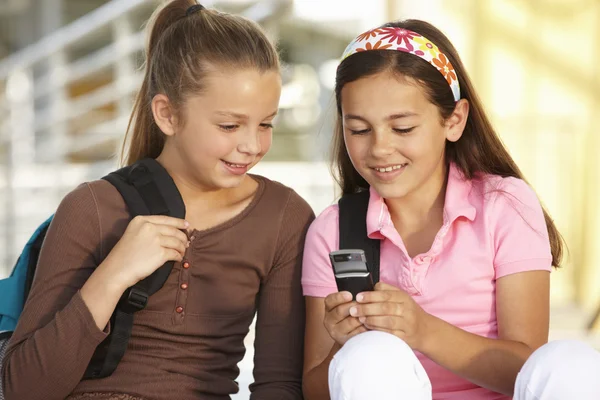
point(69, 70)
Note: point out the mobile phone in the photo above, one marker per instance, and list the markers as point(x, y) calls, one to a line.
point(351, 271)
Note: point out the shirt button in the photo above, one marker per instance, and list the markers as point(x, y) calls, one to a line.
point(179, 309)
point(184, 286)
point(192, 237)
point(186, 265)
point(427, 259)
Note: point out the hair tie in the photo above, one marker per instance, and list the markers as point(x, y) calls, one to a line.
point(400, 39)
point(194, 9)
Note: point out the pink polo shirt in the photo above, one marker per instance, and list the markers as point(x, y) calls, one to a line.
point(492, 227)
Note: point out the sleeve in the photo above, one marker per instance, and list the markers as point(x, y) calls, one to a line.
point(279, 340)
point(322, 238)
point(56, 335)
point(520, 235)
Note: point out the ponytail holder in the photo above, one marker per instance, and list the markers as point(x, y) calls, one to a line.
point(194, 9)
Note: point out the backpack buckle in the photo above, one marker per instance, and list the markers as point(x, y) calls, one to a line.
point(134, 300)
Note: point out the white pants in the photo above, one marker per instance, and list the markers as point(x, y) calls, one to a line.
point(378, 365)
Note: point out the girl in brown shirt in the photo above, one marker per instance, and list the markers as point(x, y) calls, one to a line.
point(204, 112)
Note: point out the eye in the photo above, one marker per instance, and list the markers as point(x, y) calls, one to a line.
point(228, 128)
point(266, 126)
point(360, 132)
point(404, 131)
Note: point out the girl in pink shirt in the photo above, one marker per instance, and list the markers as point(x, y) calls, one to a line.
point(462, 307)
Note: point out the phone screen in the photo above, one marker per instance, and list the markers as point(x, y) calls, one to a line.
point(348, 262)
point(351, 272)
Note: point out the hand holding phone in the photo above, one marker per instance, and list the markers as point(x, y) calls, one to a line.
point(351, 271)
point(338, 322)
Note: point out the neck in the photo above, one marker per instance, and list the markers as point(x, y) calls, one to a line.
point(422, 207)
point(192, 191)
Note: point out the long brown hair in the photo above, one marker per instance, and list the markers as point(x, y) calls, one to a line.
point(478, 151)
point(181, 50)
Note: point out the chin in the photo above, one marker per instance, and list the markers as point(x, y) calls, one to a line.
point(216, 183)
point(392, 190)
point(233, 180)
point(389, 192)
point(229, 183)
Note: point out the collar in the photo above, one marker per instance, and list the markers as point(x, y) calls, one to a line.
point(457, 203)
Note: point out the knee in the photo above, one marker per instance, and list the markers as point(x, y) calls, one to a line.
point(376, 361)
point(561, 369)
point(377, 350)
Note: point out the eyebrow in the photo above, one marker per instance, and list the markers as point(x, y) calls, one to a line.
point(240, 116)
point(388, 118)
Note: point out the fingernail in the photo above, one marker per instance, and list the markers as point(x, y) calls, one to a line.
point(359, 297)
point(353, 311)
point(347, 296)
point(187, 224)
point(362, 319)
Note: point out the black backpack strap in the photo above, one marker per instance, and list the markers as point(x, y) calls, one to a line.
point(147, 189)
point(353, 229)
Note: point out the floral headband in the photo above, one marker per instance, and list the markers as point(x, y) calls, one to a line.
point(392, 38)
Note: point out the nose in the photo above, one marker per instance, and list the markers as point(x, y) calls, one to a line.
point(250, 142)
point(381, 145)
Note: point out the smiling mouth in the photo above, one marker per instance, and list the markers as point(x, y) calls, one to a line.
point(236, 165)
point(389, 168)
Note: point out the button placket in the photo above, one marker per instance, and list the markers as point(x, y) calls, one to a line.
point(406, 279)
point(418, 270)
point(400, 270)
point(182, 293)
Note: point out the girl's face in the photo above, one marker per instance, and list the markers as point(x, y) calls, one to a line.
point(227, 128)
point(394, 135)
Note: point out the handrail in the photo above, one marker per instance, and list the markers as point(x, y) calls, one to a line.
point(89, 64)
point(67, 35)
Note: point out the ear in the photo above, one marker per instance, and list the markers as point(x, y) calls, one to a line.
point(163, 114)
point(455, 124)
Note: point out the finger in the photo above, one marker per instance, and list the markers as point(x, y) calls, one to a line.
point(339, 313)
point(170, 242)
point(166, 230)
point(335, 299)
point(357, 331)
point(399, 334)
point(377, 296)
point(371, 309)
point(342, 311)
point(383, 322)
point(347, 325)
point(384, 286)
point(167, 220)
point(172, 255)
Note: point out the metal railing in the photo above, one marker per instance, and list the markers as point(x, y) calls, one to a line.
point(27, 92)
point(56, 105)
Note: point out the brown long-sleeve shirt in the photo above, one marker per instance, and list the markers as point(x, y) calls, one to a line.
point(188, 340)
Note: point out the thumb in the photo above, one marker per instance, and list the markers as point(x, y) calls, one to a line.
point(381, 286)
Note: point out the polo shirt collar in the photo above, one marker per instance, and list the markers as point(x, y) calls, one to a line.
point(457, 203)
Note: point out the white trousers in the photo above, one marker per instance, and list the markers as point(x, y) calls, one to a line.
point(378, 365)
